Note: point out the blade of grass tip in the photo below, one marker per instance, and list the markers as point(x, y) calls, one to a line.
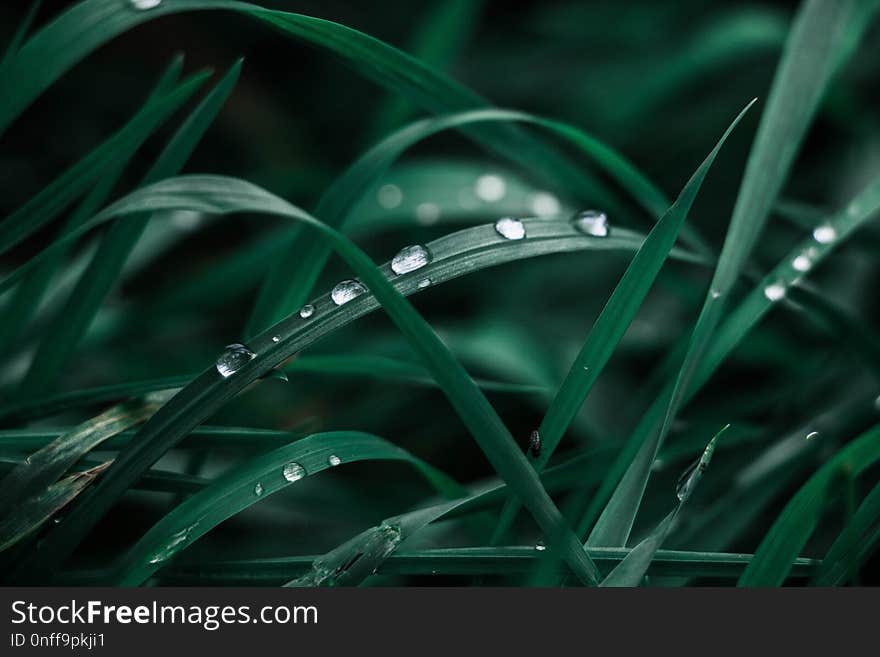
point(28, 295)
point(839, 563)
point(65, 333)
point(21, 32)
point(290, 280)
point(632, 569)
point(44, 466)
point(801, 515)
point(437, 40)
point(33, 512)
point(254, 481)
point(56, 196)
point(810, 57)
point(209, 391)
point(612, 323)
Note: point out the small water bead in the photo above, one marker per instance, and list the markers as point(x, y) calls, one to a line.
point(490, 188)
point(540, 547)
point(346, 290)
point(825, 234)
point(544, 204)
point(802, 263)
point(293, 471)
point(715, 294)
point(389, 196)
point(145, 4)
point(276, 338)
point(410, 258)
point(812, 435)
point(425, 282)
point(307, 311)
point(592, 222)
point(775, 291)
point(258, 489)
point(334, 460)
point(233, 358)
point(510, 228)
point(427, 213)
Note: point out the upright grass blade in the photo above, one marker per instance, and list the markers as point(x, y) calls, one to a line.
point(33, 512)
point(45, 206)
point(209, 391)
point(632, 569)
point(841, 561)
point(21, 32)
point(254, 481)
point(820, 34)
point(799, 519)
point(28, 295)
point(291, 280)
point(43, 467)
point(612, 323)
point(70, 326)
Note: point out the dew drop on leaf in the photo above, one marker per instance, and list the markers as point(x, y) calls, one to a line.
point(592, 222)
point(510, 228)
point(410, 258)
point(233, 358)
point(346, 290)
point(293, 471)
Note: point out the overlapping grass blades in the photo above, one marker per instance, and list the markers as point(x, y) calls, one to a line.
point(206, 393)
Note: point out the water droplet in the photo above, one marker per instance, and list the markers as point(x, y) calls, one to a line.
point(425, 282)
point(293, 471)
point(812, 435)
point(145, 4)
point(825, 234)
point(175, 543)
point(510, 228)
point(410, 258)
point(775, 291)
point(233, 358)
point(592, 222)
point(490, 188)
point(258, 489)
point(540, 547)
point(334, 460)
point(715, 294)
point(307, 310)
point(389, 196)
point(346, 290)
point(427, 213)
point(544, 204)
point(276, 338)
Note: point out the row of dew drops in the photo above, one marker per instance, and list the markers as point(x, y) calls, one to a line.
point(824, 234)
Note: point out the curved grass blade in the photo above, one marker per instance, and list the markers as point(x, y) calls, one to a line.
point(632, 569)
point(21, 31)
point(841, 560)
point(190, 407)
point(43, 467)
point(254, 481)
point(504, 560)
point(291, 280)
point(798, 520)
point(31, 514)
point(613, 322)
point(70, 326)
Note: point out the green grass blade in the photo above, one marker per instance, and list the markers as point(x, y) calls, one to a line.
point(840, 562)
point(21, 32)
point(52, 200)
point(209, 391)
point(70, 326)
point(799, 519)
point(613, 322)
point(290, 282)
point(253, 481)
point(812, 54)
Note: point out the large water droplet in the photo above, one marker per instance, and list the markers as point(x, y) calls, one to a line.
point(510, 228)
point(410, 258)
point(825, 234)
point(775, 291)
point(490, 188)
point(307, 311)
point(346, 290)
point(389, 196)
point(592, 222)
point(145, 4)
point(544, 204)
point(293, 471)
point(258, 489)
point(334, 460)
point(233, 358)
